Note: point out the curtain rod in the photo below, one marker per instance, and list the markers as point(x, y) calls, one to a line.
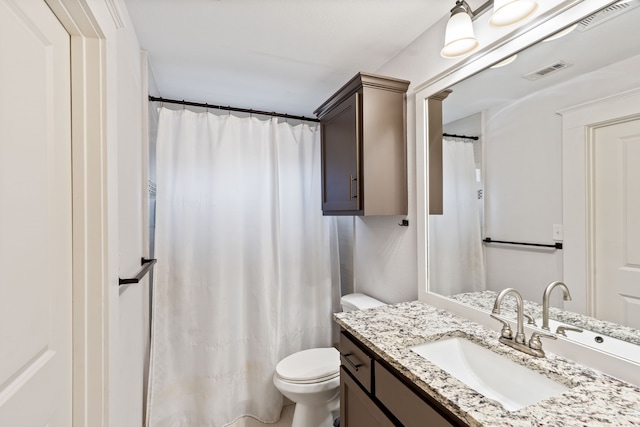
point(475, 138)
point(227, 108)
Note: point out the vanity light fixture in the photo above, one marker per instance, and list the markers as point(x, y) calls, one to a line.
point(509, 12)
point(504, 62)
point(459, 38)
point(561, 33)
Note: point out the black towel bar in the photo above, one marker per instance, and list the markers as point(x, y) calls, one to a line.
point(146, 266)
point(556, 245)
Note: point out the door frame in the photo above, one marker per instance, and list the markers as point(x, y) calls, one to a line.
point(591, 265)
point(90, 202)
point(578, 126)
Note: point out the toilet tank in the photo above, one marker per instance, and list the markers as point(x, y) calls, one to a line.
point(358, 301)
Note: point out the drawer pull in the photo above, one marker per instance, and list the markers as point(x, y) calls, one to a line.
point(353, 365)
point(351, 181)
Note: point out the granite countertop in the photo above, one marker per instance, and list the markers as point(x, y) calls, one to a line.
point(593, 398)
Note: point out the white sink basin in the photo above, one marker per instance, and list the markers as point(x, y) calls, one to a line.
point(488, 373)
point(598, 341)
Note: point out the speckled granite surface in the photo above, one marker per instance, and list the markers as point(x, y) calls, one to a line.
point(485, 299)
point(594, 398)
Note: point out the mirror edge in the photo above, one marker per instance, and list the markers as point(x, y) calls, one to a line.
point(546, 25)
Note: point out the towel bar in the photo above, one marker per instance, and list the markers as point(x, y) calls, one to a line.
point(556, 245)
point(146, 266)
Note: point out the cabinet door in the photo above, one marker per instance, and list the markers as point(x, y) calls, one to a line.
point(341, 133)
point(356, 407)
point(403, 403)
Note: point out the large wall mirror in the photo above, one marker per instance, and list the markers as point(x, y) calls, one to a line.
point(556, 163)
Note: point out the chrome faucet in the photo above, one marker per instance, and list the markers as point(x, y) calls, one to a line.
point(561, 330)
point(519, 341)
point(545, 301)
point(519, 338)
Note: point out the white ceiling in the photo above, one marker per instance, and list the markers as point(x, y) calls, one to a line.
point(587, 48)
point(286, 56)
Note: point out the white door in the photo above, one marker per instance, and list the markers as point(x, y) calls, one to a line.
point(35, 217)
point(616, 167)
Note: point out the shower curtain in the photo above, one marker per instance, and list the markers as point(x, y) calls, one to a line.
point(456, 262)
point(245, 272)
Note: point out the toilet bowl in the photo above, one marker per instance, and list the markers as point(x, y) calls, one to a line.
point(311, 378)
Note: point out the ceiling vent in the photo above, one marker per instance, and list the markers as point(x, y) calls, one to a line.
point(606, 14)
point(548, 70)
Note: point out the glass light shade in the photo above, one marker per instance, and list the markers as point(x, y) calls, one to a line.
point(504, 62)
point(561, 33)
point(459, 38)
point(509, 12)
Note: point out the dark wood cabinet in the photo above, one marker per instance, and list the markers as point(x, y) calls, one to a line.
point(372, 393)
point(364, 147)
point(356, 406)
point(356, 361)
point(340, 158)
point(407, 406)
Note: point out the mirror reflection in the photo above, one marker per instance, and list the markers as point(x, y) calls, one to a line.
point(510, 184)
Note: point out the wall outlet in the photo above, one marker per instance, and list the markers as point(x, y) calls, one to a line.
point(557, 232)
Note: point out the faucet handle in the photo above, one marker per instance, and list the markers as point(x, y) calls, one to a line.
point(530, 319)
point(506, 329)
point(561, 330)
point(535, 342)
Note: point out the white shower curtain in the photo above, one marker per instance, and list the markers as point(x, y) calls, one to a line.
point(456, 262)
point(244, 274)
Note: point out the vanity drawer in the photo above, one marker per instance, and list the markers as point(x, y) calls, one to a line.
point(408, 407)
point(356, 361)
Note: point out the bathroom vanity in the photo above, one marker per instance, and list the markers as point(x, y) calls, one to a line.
point(374, 394)
point(384, 382)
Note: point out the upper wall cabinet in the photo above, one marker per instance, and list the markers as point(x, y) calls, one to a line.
point(364, 163)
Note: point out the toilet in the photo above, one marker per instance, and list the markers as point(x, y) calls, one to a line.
point(311, 378)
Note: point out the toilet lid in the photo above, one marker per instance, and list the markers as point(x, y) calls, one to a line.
point(316, 364)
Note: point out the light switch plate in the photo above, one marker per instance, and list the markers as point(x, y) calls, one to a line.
point(557, 232)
